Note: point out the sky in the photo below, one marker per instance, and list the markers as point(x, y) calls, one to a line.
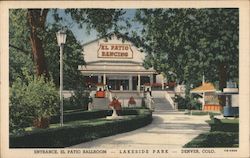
point(81, 34)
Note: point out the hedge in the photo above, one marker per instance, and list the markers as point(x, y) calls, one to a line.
point(87, 115)
point(223, 133)
point(74, 134)
point(223, 126)
point(215, 139)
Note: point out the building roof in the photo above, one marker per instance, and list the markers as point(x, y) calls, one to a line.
point(205, 87)
point(108, 37)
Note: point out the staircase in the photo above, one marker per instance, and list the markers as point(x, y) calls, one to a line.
point(162, 104)
point(101, 103)
point(126, 95)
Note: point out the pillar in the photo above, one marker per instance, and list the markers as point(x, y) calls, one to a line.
point(99, 79)
point(104, 79)
point(162, 82)
point(130, 87)
point(151, 79)
point(139, 83)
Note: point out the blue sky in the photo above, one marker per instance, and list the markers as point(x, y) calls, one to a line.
point(81, 34)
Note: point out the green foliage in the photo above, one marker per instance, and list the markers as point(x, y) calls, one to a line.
point(187, 103)
point(31, 100)
point(81, 115)
point(21, 54)
point(190, 42)
point(20, 58)
point(75, 133)
point(90, 115)
point(72, 58)
point(223, 133)
point(211, 114)
point(101, 20)
point(224, 126)
point(215, 139)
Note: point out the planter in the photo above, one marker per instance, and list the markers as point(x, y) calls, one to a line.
point(100, 94)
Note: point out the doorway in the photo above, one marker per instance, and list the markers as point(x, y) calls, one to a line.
point(117, 84)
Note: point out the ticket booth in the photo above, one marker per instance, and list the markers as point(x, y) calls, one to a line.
point(100, 91)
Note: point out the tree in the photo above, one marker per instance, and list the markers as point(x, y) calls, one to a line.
point(38, 37)
point(20, 56)
point(37, 21)
point(191, 42)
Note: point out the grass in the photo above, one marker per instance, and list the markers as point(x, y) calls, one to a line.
point(223, 133)
point(215, 139)
point(94, 122)
point(202, 113)
point(225, 121)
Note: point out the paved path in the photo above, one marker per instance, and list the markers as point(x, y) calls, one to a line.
point(169, 129)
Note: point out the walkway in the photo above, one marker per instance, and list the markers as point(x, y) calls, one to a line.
point(169, 129)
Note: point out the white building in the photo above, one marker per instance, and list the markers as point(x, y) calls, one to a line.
point(117, 64)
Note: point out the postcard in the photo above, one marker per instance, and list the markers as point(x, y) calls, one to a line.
point(124, 79)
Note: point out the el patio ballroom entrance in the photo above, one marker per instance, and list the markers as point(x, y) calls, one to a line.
point(119, 82)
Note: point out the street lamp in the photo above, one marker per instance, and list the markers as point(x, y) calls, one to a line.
point(61, 39)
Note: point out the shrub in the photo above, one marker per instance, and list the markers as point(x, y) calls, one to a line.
point(30, 101)
point(183, 103)
point(81, 115)
point(80, 132)
point(187, 103)
point(214, 139)
point(89, 115)
point(218, 125)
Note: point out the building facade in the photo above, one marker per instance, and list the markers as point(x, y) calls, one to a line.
point(116, 63)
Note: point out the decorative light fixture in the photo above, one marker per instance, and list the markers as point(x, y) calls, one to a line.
point(61, 40)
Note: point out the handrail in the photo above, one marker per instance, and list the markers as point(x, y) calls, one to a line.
point(149, 101)
point(109, 95)
point(170, 100)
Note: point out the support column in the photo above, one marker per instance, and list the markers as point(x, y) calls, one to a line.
point(139, 83)
point(162, 82)
point(99, 79)
point(104, 79)
point(151, 79)
point(130, 87)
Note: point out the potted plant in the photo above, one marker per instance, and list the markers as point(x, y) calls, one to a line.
point(131, 101)
point(116, 105)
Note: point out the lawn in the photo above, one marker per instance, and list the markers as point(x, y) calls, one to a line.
point(80, 127)
point(223, 133)
point(202, 113)
point(92, 122)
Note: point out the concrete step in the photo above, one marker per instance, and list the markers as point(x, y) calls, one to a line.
point(100, 103)
point(161, 104)
point(126, 95)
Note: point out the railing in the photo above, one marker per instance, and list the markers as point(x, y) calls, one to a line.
point(170, 100)
point(149, 101)
point(109, 95)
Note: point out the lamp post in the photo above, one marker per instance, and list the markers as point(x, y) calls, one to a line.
point(61, 39)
